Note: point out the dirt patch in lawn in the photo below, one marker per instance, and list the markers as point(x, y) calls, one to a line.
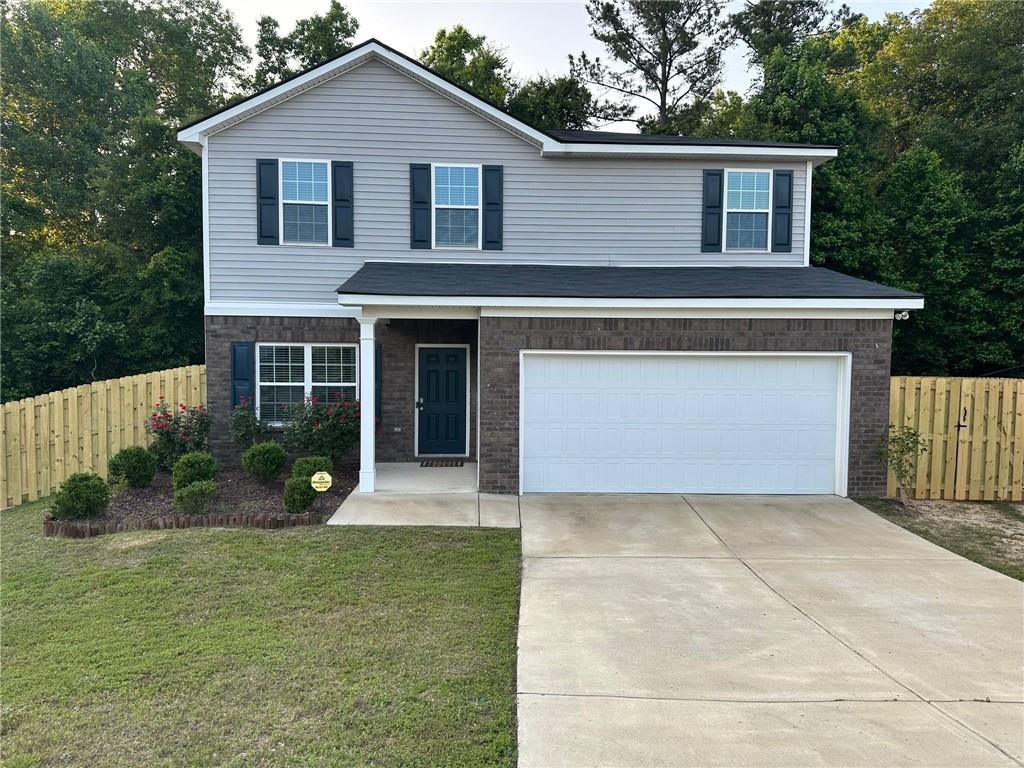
point(988, 532)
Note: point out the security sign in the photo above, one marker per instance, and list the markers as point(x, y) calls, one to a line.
point(321, 481)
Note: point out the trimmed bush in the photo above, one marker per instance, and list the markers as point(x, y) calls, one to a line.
point(134, 465)
point(298, 495)
point(195, 498)
point(193, 467)
point(308, 466)
point(264, 461)
point(82, 495)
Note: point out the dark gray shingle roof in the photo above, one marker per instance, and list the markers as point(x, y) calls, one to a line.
point(536, 280)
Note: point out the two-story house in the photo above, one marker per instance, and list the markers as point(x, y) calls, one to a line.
point(573, 310)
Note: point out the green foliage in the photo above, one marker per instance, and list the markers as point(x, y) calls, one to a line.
point(307, 466)
point(195, 498)
point(192, 468)
point(299, 495)
point(470, 61)
point(245, 427)
point(766, 25)
point(177, 431)
point(322, 429)
point(562, 102)
point(668, 54)
point(135, 465)
point(899, 450)
point(312, 41)
point(264, 461)
point(83, 494)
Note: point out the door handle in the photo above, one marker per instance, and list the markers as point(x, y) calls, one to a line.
point(419, 404)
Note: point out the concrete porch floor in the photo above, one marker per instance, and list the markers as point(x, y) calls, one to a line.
point(408, 494)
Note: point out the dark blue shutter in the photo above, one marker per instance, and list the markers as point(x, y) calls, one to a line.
point(266, 202)
point(342, 205)
point(493, 179)
point(243, 370)
point(782, 211)
point(419, 205)
point(711, 218)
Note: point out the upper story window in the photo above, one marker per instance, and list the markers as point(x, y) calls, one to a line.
point(456, 214)
point(747, 208)
point(304, 202)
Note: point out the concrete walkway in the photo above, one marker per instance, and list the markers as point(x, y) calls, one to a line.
point(759, 631)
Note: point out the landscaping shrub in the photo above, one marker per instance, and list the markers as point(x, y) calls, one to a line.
point(83, 494)
point(195, 498)
point(322, 429)
point(298, 495)
point(264, 461)
point(177, 431)
point(245, 427)
point(134, 465)
point(308, 466)
point(193, 467)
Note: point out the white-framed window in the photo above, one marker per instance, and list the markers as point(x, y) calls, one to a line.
point(456, 217)
point(748, 198)
point(305, 202)
point(288, 373)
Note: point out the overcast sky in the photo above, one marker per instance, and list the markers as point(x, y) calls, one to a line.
point(537, 35)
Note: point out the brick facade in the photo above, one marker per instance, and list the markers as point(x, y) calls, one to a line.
point(398, 339)
point(501, 339)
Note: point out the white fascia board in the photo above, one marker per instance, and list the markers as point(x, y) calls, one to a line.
point(356, 299)
point(283, 309)
point(815, 155)
point(683, 312)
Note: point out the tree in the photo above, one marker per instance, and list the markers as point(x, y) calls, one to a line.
point(314, 40)
point(764, 25)
point(563, 102)
point(671, 52)
point(470, 61)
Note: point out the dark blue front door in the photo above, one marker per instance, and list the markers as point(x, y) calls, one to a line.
point(442, 401)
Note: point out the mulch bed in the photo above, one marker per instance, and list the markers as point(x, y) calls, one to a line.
point(240, 501)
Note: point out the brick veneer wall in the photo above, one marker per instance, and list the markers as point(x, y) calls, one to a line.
point(397, 338)
point(501, 339)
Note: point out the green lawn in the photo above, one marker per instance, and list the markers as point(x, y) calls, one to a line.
point(312, 646)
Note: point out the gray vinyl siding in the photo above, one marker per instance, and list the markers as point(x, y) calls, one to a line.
point(556, 210)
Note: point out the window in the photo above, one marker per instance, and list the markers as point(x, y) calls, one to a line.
point(290, 372)
point(747, 205)
point(304, 202)
point(456, 206)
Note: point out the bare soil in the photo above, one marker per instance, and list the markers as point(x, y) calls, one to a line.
point(988, 532)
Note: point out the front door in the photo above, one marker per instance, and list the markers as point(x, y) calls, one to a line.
point(441, 401)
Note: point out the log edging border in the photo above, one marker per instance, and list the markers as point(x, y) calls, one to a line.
point(86, 529)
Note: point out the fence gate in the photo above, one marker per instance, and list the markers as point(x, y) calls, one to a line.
point(974, 433)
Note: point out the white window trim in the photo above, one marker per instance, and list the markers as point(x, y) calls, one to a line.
point(479, 208)
point(281, 201)
point(726, 210)
point(307, 371)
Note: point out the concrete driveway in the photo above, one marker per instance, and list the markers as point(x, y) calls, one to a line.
point(760, 631)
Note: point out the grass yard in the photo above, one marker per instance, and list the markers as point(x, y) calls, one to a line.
point(310, 646)
point(988, 532)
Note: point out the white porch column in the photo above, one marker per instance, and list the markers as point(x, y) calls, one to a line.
point(367, 406)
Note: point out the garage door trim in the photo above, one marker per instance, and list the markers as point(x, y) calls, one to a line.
point(842, 398)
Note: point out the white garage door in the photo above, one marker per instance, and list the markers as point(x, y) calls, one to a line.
point(641, 423)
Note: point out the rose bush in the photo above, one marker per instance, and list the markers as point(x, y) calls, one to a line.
point(177, 431)
point(322, 428)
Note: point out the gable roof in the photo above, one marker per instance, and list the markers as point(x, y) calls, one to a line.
point(550, 143)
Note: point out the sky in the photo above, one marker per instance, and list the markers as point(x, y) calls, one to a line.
point(536, 35)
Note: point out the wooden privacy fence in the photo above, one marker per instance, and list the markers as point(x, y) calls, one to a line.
point(974, 433)
point(46, 438)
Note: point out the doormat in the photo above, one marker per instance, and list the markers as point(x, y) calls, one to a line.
point(441, 463)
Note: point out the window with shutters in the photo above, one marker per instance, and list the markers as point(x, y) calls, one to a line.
point(287, 373)
point(305, 202)
point(456, 206)
point(747, 210)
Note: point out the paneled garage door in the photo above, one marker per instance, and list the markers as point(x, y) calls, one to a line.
point(649, 423)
